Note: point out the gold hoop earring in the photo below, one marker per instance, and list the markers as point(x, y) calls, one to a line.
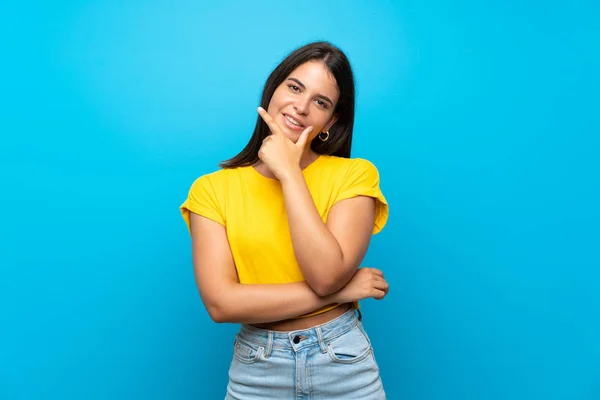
point(325, 137)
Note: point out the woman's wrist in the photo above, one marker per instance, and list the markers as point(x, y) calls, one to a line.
point(291, 175)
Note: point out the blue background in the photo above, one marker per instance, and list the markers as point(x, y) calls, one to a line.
point(482, 117)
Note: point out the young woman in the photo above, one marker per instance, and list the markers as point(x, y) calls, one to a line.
point(278, 234)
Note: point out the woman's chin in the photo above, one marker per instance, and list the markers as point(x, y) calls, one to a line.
point(293, 136)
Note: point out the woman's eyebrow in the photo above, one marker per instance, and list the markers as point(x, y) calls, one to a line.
point(304, 87)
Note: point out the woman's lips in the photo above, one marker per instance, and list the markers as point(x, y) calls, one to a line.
point(291, 125)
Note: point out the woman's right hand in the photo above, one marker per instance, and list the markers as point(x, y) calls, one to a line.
point(366, 282)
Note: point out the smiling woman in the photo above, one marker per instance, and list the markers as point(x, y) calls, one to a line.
point(297, 105)
point(278, 235)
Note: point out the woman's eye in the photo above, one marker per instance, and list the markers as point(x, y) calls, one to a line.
point(294, 88)
point(322, 103)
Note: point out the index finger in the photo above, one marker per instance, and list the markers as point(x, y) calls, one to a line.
point(275, 130)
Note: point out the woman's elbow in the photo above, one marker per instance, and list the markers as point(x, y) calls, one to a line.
point(324, 292)
point(325, 288)
point(218, 306)
point(328, 285)
point(217, 313)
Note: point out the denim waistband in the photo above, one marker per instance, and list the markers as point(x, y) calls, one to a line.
point(299, 339)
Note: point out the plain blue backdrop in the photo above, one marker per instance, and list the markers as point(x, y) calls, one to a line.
point(482, 117)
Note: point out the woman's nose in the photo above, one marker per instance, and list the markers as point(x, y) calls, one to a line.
point(301, 106)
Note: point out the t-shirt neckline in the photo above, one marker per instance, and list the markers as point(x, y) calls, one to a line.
point(308, 167)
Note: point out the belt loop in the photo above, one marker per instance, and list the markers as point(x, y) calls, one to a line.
point(269, 344)
point(322, 344)
point(359, 314)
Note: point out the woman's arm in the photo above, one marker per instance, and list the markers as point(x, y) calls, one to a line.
point(340, 245)
point(328, 254)
point(226, 300)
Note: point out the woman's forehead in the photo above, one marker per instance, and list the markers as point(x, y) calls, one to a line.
point(314, 75)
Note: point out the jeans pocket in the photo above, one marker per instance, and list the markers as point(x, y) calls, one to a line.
point(247, 353)
point(349, 348)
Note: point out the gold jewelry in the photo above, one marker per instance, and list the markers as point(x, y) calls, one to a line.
point(324, 138)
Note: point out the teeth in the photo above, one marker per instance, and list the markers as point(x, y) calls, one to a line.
point(292, 121)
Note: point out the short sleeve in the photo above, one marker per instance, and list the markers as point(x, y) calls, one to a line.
point(202, 200)
point(362, 179)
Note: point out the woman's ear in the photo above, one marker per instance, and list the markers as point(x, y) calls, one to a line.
point(330, 123)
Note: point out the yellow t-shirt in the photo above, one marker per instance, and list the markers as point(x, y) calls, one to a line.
point(252, 209)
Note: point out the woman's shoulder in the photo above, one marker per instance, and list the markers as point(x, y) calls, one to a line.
point(217, 181)
point(220, 175)
point(349, 165)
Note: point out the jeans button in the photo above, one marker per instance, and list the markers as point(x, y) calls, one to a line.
point(296, 339)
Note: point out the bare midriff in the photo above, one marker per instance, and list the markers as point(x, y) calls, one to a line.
point(307, 322)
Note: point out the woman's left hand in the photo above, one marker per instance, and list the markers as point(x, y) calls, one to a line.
point(278, 152)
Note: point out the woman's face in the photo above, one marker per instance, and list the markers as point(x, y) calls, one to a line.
point(307, 97)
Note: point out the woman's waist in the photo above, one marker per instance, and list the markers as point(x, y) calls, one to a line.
point(299, 338)
point(305, 322)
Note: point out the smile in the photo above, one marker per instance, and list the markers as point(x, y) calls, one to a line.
point(292, 120)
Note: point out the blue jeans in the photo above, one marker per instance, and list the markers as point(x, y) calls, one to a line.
point(330, 361)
